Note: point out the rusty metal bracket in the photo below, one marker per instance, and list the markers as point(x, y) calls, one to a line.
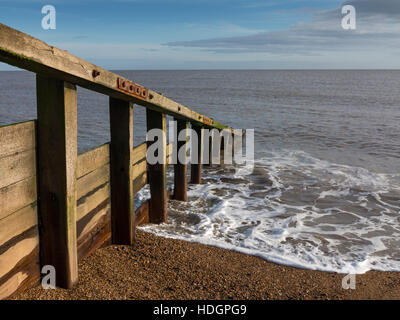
point(132, 88)
point(207, 121)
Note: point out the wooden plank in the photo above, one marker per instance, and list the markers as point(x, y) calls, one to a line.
point(11, 285)
point(17, 167)
point(138, 169)
point(93, 159)
point(17, 196)
point(90, 201)
point(157, 172)
point(88, 222)
point(197, 155)
point(24, 275)
point(16, 250)
point(139, 153)
point(93, 180)
point(57, 161)
point(26, 52)
point(121, 160)
point(169, 154)
point(17, 223)
point(96, 238)
point(17, 138)
point(139, 182)
point(142, 214)
point(139, 173)
point(180, 168)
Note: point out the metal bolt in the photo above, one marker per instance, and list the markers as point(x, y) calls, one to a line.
point(95, 73)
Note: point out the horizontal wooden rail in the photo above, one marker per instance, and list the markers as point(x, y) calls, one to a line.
point(23, 51)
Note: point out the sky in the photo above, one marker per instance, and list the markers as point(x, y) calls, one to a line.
point(216, 34)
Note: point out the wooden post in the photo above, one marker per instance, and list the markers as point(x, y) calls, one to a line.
point(157, 172)
point(57, 161)
point(233, 148)
point(121, 151)
point(196, 167)
point(209, 143)
point(180, 169)
point(222, 149)
point(215, 147)
point(226, 147)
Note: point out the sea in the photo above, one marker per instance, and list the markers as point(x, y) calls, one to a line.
point(323, 192)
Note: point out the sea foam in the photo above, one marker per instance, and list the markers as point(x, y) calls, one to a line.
point(296, 210)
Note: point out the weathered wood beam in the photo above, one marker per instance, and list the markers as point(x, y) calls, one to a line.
point(23, 51)
point(93, 159)
point(121, 161)
point(57, 172)
point(208, 149)
point(196, 167)
point(180, 168)
point(226, 151)
point(157, 172)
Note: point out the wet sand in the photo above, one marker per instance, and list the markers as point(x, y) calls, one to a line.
point(159, 268)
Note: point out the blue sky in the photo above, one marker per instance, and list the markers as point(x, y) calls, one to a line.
point(209, 34)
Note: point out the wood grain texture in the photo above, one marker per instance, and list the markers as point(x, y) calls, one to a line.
point(139, 169)
point(17, 196)
point(91, 200)
point(16, 138)
point(24, 275)
point(16, 249)
point(89, 221)
point(57, 162)
point(93, 159)
point(169, 154)
point(19, 240)
point(157, 172)
point(17, 223)
point(92, 180)
point(121, 160)
point(17, 167)
point(180, 168)
point(97, 237)
point(139, 182)
point(142, 214)
point(139, 153)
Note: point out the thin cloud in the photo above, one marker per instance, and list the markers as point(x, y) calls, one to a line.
point(378, 26)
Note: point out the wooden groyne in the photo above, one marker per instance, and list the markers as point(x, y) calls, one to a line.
point(57, 207)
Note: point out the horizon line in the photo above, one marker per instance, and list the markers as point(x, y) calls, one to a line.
point(238, 69)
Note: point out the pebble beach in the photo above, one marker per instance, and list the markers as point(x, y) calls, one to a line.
point(161, 268)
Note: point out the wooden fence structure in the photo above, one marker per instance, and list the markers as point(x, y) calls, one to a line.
point(57, 207)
